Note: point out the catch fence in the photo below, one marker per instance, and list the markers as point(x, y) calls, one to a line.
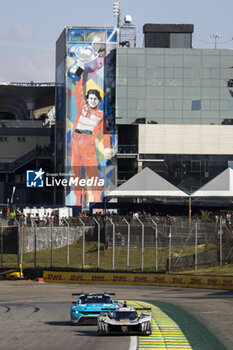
point(118, 243)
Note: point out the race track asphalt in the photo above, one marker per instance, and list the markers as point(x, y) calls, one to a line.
point(35, 316)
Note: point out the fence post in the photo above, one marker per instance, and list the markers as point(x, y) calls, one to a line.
point(128, 243)
point(170, 248)
point(68, 247)
point(143, 231)
point(220, 239)
point(113, 243)
point(35, 241)
point(51, 242)
point(190, 211)
point(196, 245)
point(156, 245)
point(83, 259)
point(98, 245)
point(1, 244)
point(20, 249)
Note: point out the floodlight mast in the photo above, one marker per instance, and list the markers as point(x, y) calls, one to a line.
point(117, 12)
point(119, 16)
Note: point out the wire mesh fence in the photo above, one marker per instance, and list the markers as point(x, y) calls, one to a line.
point(113, 242)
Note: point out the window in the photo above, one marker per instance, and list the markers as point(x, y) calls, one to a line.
point(196, 105)
point(180, 40)
point(3, 139)
point(206, 168)
point(231, 105)
point(195, 166)
point(230, 164)
point(21, 139)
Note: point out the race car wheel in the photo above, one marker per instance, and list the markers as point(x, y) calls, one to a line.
point(103, 329)
point(150, 330)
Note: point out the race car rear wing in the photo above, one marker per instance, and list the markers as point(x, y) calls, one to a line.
point(145, 311)
point(83, 293)
point(113, 294)
point(77, 294)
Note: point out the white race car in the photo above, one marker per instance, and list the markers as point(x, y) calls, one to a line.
point(125, 320)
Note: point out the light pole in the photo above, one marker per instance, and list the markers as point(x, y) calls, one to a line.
point(117, 12)
point(215, 36)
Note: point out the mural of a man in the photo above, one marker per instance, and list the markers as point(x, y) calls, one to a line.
point(88, 134)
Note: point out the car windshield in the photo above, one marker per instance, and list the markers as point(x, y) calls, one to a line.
point(125, 315)
point(95, 299)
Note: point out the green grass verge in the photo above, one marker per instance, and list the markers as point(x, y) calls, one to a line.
point(199, 337)
point(58, 259)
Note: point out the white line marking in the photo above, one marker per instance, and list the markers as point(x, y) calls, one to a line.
point(133, 343)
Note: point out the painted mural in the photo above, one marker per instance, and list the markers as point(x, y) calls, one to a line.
point(90, 123)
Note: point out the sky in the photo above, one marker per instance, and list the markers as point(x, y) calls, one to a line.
point(29, 29)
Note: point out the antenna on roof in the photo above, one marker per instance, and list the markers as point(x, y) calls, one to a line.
point(215, 36)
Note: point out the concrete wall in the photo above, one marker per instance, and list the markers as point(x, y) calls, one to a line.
point(12, 148)
point(186, 139)
point(59, 234)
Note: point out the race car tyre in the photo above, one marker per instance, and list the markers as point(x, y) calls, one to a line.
point(100, 332)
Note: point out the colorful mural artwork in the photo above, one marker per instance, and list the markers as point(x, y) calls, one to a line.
point(90, 121)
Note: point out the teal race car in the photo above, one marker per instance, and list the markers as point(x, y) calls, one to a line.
point(88, 307)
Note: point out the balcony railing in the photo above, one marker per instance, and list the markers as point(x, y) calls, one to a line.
point(45, 151)
point(127, 149)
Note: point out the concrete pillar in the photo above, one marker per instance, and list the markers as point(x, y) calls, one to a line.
point(30, 107)
point(140, 165)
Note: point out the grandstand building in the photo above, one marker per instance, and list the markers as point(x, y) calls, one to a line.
point(173, 108)
point(26, 139)
point(177, 105)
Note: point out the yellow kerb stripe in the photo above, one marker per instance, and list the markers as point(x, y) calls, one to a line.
point(166, 334)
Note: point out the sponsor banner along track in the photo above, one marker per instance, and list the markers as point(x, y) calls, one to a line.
point(213, 282)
